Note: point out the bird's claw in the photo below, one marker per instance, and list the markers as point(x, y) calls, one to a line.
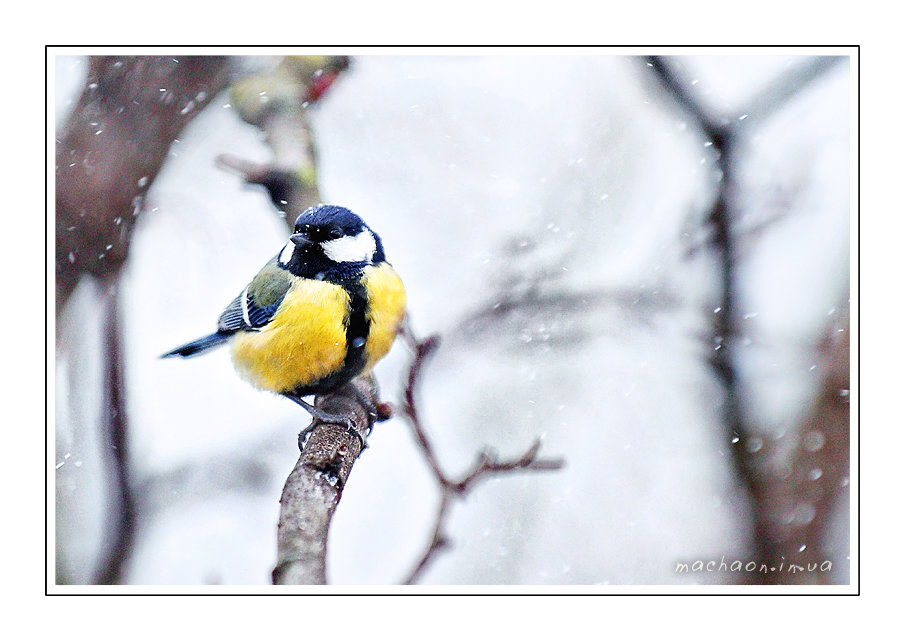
point(346, 421)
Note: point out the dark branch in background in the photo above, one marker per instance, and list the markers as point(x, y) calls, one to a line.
point(724, 133)
point(276, 102)
point(722, 137)
point(115, 142)
point(120, 535)
point(485, 466)
point(771, 497)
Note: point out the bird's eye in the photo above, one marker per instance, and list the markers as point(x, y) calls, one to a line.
point(335, 232)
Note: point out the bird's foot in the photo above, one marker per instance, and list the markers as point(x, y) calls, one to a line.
point(325, 417)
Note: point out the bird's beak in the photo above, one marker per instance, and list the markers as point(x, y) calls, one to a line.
point(300, 240)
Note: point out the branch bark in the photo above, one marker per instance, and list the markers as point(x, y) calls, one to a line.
point(314, 487)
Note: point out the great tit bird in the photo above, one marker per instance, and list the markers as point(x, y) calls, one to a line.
point(324, 310)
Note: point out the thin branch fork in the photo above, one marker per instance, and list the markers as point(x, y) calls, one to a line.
point(486, 465)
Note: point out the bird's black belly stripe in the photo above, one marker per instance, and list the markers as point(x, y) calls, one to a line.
point(356, 328)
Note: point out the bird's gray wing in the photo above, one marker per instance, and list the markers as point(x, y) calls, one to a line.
point(254, 307)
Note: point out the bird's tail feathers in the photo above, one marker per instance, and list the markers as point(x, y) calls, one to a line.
point(198, 346)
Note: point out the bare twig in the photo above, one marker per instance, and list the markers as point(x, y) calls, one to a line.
point(314, 487)
point(485, 466)
point(422, 351)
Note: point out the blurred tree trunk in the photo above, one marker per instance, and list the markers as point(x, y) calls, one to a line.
point(795, 482)
point(117, 138)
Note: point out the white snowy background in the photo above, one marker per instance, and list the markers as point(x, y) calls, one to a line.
point(572, 179)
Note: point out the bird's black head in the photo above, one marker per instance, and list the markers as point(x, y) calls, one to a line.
point(330, 243)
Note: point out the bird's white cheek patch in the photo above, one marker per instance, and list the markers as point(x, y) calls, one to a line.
point(351, 249)
point(287, 253)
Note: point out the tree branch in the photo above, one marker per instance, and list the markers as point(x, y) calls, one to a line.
point(485, 466)
point(314, 487)
point(120, 536)
point(276, 102)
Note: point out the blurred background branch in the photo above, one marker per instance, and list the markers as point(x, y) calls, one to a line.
point(129, 115)
point(788, 519)
point(794, 480)
point(276, 102)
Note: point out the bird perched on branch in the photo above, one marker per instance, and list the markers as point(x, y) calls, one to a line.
point(324, 310)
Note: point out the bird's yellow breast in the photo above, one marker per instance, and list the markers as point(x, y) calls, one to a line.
point(304, 342)
point(387, 305)
point(306, 339)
